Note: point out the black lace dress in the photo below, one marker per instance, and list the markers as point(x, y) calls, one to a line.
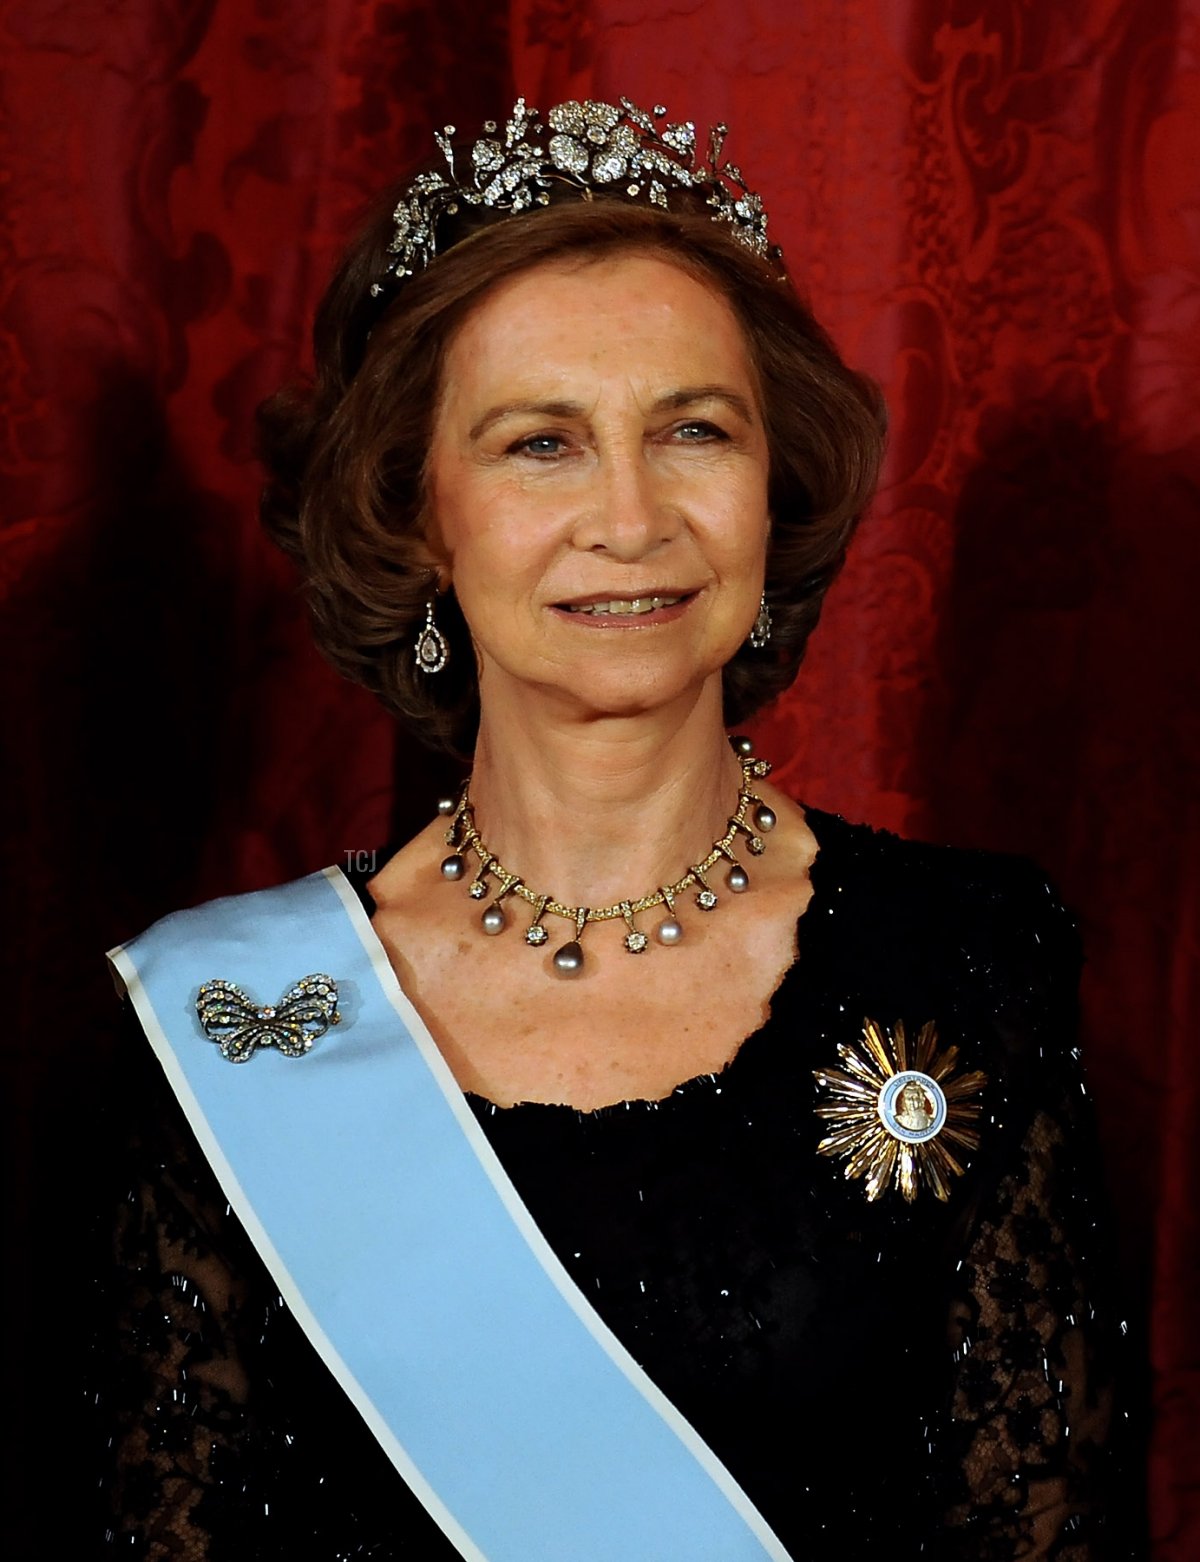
point(884, 1379)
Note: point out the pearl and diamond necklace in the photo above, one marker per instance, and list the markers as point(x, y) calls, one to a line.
point(462, 836)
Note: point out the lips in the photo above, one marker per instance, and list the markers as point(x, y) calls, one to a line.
point(625, 607)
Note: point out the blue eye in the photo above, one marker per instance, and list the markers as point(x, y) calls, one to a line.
point(695, 433)
point(540, 446)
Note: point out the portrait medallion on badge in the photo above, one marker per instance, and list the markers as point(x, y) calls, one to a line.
point(900, 1115)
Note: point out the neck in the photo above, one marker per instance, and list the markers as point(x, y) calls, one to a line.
point(600, 811)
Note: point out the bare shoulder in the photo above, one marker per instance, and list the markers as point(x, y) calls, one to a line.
point(405, 879)
point(792, 847)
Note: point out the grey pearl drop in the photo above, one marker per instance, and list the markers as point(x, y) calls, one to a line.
point(494, 920)
point(669, 931)
point(738, 879)
point(446, 806)
point(743, 746)
point(454, 867)
point(765, 819)
point(568, 961)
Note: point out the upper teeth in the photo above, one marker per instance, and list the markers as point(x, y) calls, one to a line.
point(628, 605)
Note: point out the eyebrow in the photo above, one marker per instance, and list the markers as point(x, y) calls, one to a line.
point(671, 401)
point(541, 409)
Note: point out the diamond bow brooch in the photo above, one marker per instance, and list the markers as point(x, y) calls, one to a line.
point(240, 1026)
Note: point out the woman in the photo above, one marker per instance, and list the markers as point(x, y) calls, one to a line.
point(790, 1107)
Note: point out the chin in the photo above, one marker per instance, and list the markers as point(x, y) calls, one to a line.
point(616, 682)
point(627, 694)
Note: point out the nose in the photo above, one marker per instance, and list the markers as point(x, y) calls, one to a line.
point(629, 515)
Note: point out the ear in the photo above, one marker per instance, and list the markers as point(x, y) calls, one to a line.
point(432, 552)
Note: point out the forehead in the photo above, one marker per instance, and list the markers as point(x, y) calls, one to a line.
point(631, 314)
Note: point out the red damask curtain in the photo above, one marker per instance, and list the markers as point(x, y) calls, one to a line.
point(995, 206)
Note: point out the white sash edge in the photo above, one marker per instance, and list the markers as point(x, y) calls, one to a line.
point(291, 1293)
point(541, 1249)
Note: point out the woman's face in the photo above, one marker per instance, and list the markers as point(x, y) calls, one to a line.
point(598, 484)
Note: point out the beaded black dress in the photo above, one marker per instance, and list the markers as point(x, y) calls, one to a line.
point(884, 1379)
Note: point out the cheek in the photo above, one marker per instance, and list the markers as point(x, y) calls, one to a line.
point(462, 517)
point(496, 559)
point(745, 530)
point(499, 536)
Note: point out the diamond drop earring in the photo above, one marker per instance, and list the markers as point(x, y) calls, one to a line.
point(432, 651)
point(761, 633)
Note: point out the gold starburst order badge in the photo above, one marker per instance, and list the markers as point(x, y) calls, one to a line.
point(897, 1111)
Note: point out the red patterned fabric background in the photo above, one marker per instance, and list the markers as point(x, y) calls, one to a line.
point(994, 204)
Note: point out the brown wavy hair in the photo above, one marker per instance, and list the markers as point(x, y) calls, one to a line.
point(346, 450)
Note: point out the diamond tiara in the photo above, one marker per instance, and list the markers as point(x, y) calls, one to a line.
point(592, 146)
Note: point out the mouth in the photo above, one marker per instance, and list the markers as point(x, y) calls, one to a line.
point(648, 607)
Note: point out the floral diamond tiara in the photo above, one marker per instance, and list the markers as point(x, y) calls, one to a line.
point(593, 146)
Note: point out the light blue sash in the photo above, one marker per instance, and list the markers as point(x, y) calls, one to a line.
point(398, 1241)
